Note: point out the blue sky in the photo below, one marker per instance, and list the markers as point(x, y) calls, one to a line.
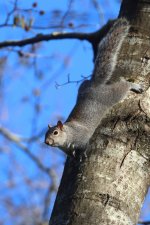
point(56, 59)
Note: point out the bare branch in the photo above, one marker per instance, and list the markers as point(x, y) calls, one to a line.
point(94, 37)
point(100, 12)
point(28, 54)
point(11, 12)
point(46, 37)
point(67, 12)
point(72, 81)
point(38, 27)
point(16, 140)
point(47, 201)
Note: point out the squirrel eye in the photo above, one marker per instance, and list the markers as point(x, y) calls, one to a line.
point(55, 132)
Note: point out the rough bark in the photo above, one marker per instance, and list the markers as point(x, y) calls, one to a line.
point(109, 186)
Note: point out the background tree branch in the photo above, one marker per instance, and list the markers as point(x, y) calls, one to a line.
point(93, 37)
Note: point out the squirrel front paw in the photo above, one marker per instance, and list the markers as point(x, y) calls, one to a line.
point(137, 88)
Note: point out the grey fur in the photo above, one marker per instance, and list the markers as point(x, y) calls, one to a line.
point(108, 51)
point(95, 96)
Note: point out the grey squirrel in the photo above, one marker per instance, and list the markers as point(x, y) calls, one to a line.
point(95, 96)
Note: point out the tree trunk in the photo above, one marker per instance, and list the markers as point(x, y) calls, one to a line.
point(109, 186)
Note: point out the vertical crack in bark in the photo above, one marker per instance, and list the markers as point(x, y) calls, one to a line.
point(121, 164)
point(107, 199)
point(133, 147)
point(115, 123)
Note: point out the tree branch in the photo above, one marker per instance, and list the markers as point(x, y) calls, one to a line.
point(17, 141)
point(94, 38)
point(46, 37)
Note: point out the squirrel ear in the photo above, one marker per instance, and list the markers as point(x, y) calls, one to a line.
point(49, 126)
point(60, 125)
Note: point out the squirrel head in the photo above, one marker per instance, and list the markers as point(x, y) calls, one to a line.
point(56, 136)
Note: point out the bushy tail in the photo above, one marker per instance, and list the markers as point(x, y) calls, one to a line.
point(108, 51)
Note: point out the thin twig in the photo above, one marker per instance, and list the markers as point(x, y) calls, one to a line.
point(66, 13)
point(97, 6)
point(11, 12)
point(47, 201)
point(72, 81)
point(16, 140)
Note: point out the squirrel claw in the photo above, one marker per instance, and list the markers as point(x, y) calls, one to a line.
point(137, 88)
point(74, 153)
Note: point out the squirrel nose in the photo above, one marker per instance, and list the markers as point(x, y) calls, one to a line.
point(49, 141)
point(46, 141)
